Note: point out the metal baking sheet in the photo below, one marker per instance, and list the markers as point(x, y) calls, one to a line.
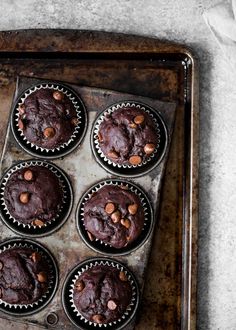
point(151, 68)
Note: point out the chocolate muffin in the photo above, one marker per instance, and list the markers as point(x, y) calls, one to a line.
point(23, 276)
point(33, 195)
point(47, 118)
point(114, 215)
point(128, 136)
point(102, 294)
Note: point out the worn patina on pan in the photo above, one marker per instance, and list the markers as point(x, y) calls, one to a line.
point(141, 66)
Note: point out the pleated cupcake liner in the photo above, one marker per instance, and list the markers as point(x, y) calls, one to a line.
point(52, 276)
point(148, 217)
point(64, 184)
point(84, 323)
point(65, 147)
point(112, 109)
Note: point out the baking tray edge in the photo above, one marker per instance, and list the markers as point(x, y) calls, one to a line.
point(88, 42)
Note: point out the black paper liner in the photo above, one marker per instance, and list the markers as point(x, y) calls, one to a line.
point(105, 248)
point(65, 148)
point(130, 170)
point(24, 310)
point(81, 322)
point(51, 226)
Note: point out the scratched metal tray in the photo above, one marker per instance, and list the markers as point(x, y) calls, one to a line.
point(133, 65)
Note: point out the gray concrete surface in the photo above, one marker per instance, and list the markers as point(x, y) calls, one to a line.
point(179, 21)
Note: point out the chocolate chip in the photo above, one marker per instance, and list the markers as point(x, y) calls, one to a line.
point(49, 132)
point(24, 197)
point(38, 223)
point(110, 208)
point(135, 160)
point(123, 277)
point(1, 265)
point(139, 119)
point(98, 318)
point(58, 95)
point(79, 286)
point(149, 148)
point(28, 175)
point(112, 154)
point(124, 187)
point(132, 125)
point(42, 277)
point(91, 237)
point(20, 124)
point(35, 256)
point(116, 216)
point(75, 121)
point(100, 138)
point(133, 208)
point(126, 223)
point(111, 305)
point(22, 109)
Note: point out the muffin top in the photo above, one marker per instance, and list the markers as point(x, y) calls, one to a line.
point(47, 118)
point(114, 215)
point(102, 294)
point(23, 276)
point(128, 136)
point(33, 195)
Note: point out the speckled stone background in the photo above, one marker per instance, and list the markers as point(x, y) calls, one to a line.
point(179, 21)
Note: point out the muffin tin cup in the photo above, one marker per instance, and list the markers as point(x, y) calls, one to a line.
point(49, 226)
point(66, 147)
point(71, 310)
point(28, 309)
point(97, 244)
point(128, 170)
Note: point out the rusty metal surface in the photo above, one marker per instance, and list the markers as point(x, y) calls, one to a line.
point(144, 67)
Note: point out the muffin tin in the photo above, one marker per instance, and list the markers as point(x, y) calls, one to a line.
point(84, 171)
